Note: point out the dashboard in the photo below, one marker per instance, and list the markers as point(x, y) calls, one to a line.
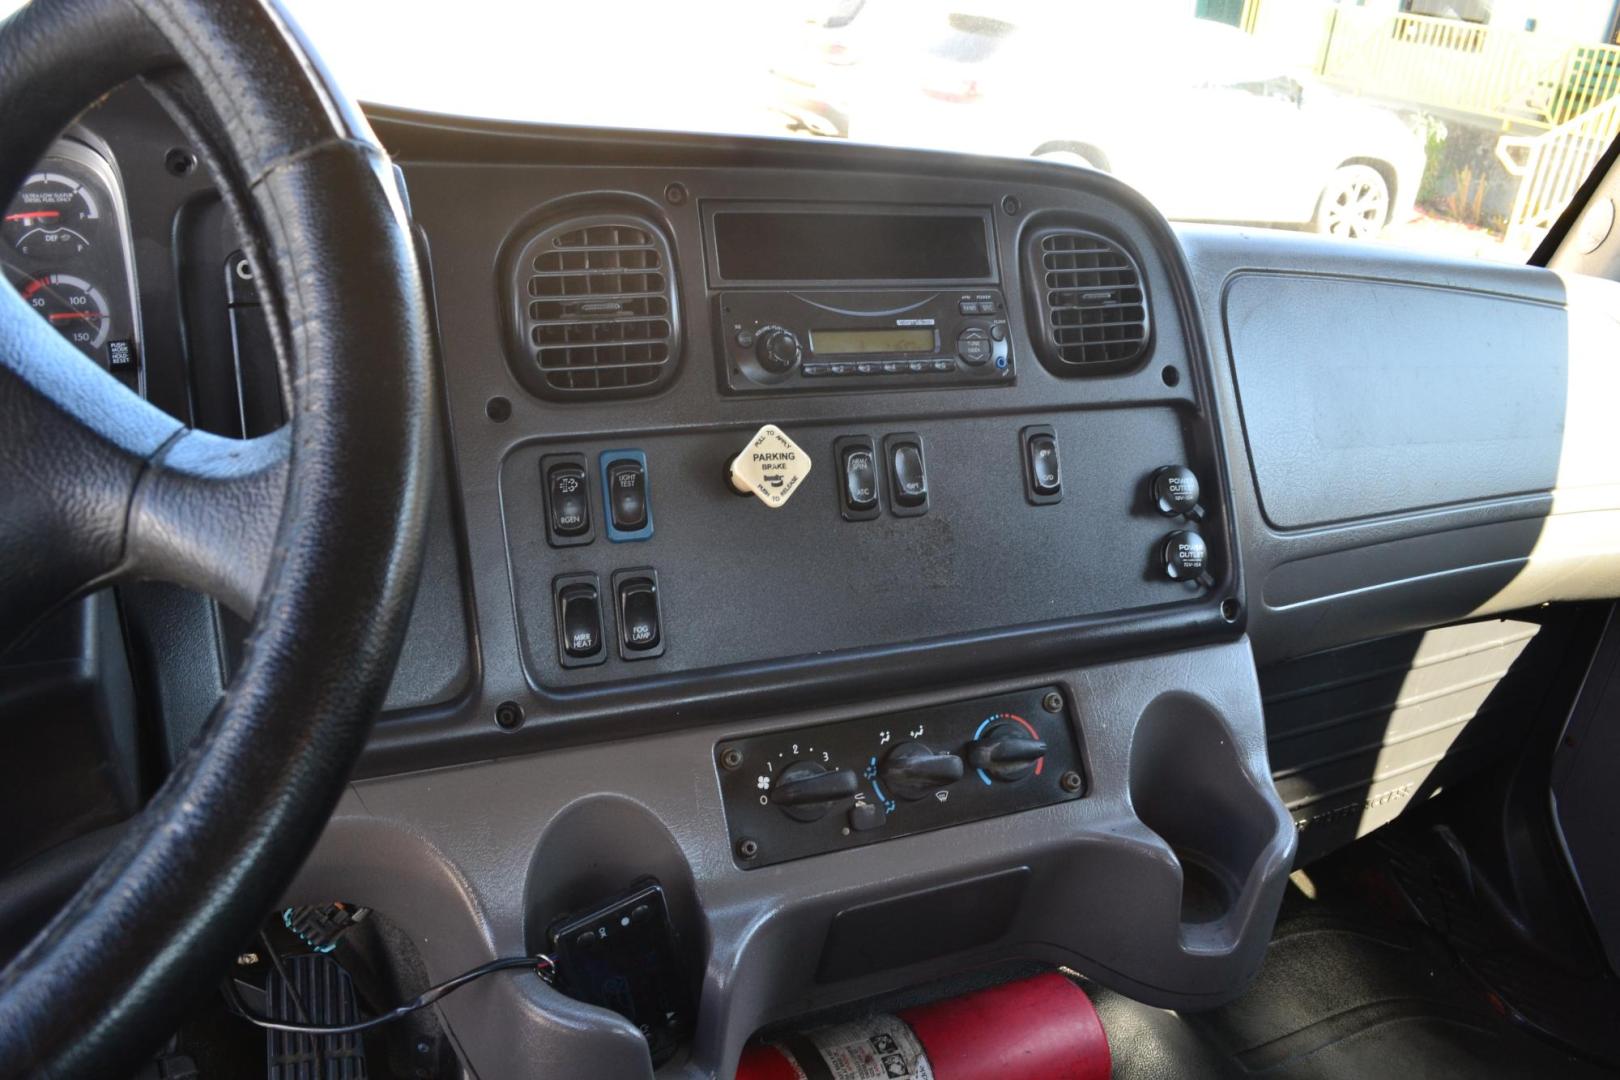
point(883, 547)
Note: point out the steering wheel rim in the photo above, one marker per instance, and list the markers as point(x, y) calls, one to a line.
point(315, 533)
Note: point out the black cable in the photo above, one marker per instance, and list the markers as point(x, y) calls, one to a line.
point(541, 964)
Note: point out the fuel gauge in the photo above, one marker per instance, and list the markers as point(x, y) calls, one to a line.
point(53, 216)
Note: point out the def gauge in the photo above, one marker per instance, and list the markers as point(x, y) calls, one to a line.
point(74, 306)
point(53, 216)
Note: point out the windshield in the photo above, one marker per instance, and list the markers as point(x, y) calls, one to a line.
point(1463, 127)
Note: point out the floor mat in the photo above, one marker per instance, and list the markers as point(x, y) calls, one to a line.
point(1353, 986)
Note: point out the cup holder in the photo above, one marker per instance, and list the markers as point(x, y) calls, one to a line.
point(1189, 785)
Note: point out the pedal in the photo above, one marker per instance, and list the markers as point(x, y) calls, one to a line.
point(328, 998)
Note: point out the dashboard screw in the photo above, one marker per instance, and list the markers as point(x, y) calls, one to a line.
point(1052, 702)
point(747, 848)
point(675, 193)
point(1071, 782)
point(508, 714)
point(731, 758)
point(1010, 205)
point(179, 161)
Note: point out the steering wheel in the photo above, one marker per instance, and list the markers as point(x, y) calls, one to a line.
point(314, 533)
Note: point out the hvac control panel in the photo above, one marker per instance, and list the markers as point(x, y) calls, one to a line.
point(814, 790)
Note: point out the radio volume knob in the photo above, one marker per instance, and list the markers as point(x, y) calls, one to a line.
point(778, 350)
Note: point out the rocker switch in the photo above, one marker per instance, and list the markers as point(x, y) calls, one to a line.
point(908, 474)
point(627, 495)
point(860, 479)
point(569, 500)
point(581, 621)
point(641, 623)
point(1045, 475)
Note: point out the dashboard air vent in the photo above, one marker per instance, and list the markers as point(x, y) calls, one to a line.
point(597, 308)
point(1093, 306)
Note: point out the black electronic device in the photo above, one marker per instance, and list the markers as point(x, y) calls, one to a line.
point(839, 296)
point(622, 954)
point(775, 340)
point(812, 790)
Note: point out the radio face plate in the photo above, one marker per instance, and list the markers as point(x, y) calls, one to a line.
point(887, 339)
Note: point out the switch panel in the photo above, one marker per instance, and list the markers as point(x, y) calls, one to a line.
point(566, 483)
point(908, 474)
point(625, 495)
point(1043, 471)
point(577, 602)
point(813, 790)
point(640, 613)
point(858, 471)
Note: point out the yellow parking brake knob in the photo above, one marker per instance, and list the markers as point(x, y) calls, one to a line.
point(771, 467)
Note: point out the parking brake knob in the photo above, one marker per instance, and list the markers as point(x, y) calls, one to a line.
point(771, 467)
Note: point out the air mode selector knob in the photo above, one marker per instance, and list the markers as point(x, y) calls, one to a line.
point(1005, 752)
point(914, 771)
point(777, 349)
point(806, 790)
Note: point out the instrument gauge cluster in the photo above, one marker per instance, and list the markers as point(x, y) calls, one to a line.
point(64, 243)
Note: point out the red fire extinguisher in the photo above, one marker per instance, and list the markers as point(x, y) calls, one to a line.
point(1042, 1028)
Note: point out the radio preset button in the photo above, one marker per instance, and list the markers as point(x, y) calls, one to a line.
point(812, 371)
point(944, 365)
point(840, 369)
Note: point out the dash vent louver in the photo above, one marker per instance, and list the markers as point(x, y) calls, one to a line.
point(597, 308)
point(1092, 301)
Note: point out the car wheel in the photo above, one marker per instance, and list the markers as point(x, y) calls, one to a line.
point(1069, 157)
point(1354, 203)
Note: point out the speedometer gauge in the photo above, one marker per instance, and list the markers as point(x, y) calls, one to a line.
point(53, 215)
point(75, 307)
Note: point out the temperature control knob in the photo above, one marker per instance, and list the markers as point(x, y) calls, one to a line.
point(914, 771)
point(806, 790)
point(1005, 752)
point(777, 349)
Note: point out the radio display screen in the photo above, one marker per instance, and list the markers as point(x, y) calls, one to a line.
point(856, 246)
point(878, 340)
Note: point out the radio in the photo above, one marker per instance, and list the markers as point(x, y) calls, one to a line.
point(864, 340)
point(834, 296)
